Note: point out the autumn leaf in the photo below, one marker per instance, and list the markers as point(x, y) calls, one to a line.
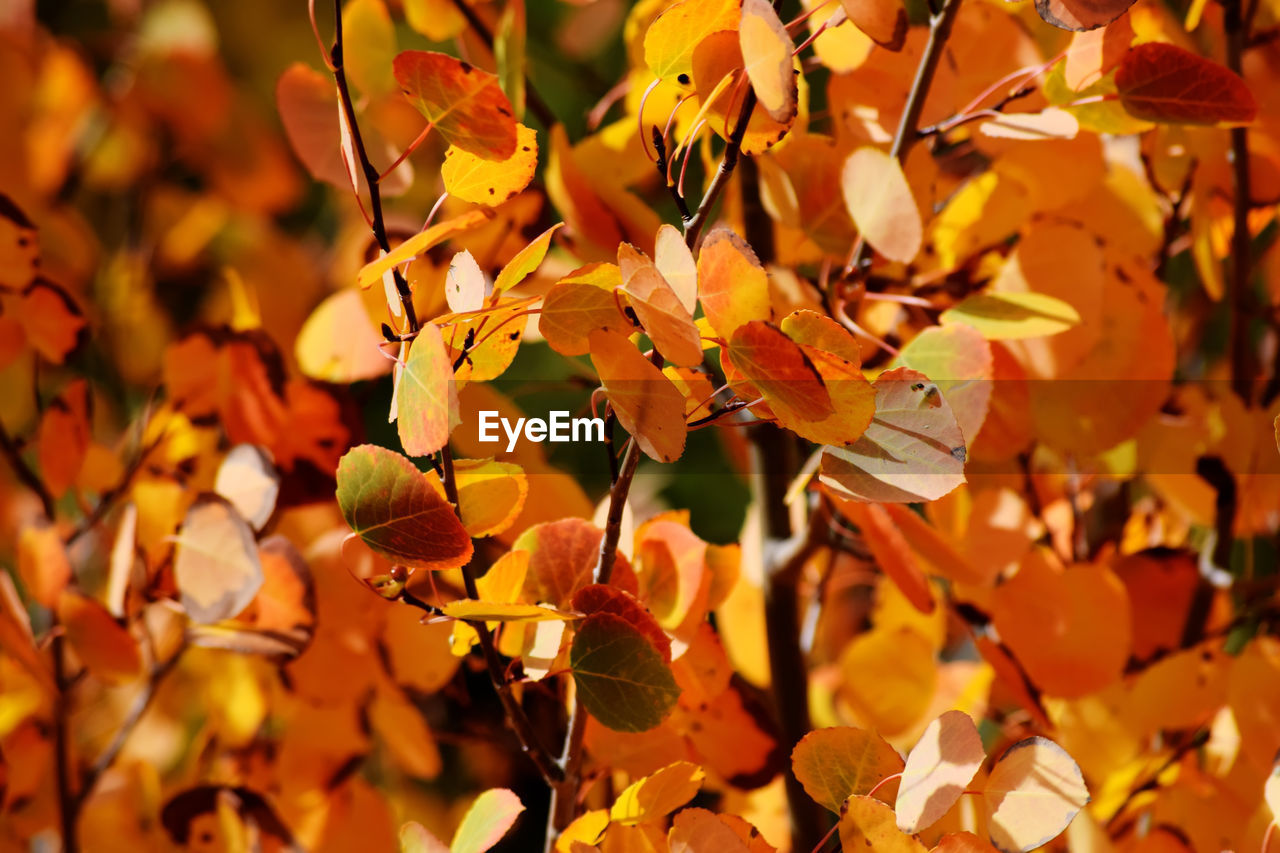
point(339, 342)
point(428, 397)
point(884, 21)
point(766, 50)
point(879, 200)
point(465, 105)
point(835, 764)
point(1033, 793)
point(1161, 82)
point(249, 482)
point(215, 564)
point(665, 320)
point(1081, 14)
point(671, 40)
point(487, 181)
point(867, 823)
point(526, 261)
point(657, 795)
point(938, 770)
point(105, 647)
point(580, 304)
point(621, 677)
point(647, 405)
point(490, 817)
point(497, 611)
point(913, 450)
point(733, 288)
point(390, 505)
point(777, 366)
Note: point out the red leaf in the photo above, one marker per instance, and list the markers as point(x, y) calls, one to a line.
point(1160, 82)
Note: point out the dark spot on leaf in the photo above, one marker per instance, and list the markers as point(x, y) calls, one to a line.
point(919, 386)
point(466, 67)
point(514, 336)
point(506, 112)
point(683, 79)
point(524, 148)
point(491, 192)
point(959, 453)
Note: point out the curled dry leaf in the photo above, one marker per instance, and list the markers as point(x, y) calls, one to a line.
point(465, 105)
point(1162, 82)
point(880, 203)
point(1033, 793)
point(838, 763)
point(938, 770)
point(766, 51)
point(215, 564)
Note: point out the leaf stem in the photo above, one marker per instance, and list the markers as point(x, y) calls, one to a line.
point(25, 474)
point(940, 25)
point(1236, 23)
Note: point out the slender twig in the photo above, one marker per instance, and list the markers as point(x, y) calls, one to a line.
point(728, 162)
point(660, 145)
point(108, 500)
point(908, 127)
point(536, 104)
point(68, 804)
point(367, 168)
point(140, 705)
point(28, 477)
point(1236, 23)
point(516, 717)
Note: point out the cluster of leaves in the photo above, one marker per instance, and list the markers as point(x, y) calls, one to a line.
point(974, 296)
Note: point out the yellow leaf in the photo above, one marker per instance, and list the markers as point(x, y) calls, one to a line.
point(496, 611)
point(1010, 316)
point(835, 764)
point(526, 261)
point(766, 51)
point(491, 182)
point(372, 272)
point(339, 341)
point(732, 285)
point(646, 403)
point(1034, 791)
point(658, 794)
point(880, 202)
point(672, 38)
point(868, 824)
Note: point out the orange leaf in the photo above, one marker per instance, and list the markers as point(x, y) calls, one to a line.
point(1161, 82)
point(777, 366)
point(658, 794)
point(43, 564)
point(766, 51)
point(880, 202)
point(891, 552)
point(465, 105)
point(599, 598)
point(105, 647)
point(665, 320)
point(51, 320)
point(562, 556)
point(646, 403)
point(64, 437)
point(702, 831)
point(837, 763)
point(885, 21)
point(939, 768)
point(579, 304)
point(490, 494)
point(732, 285)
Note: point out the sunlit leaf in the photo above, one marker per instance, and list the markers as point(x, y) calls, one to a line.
point(580, 304)
point(621, 677)
point(777, 366)
point(249, 482)
point(389, 504)
point(912, 451)
point(428, 397)
point(490, 494)
point(666, 321)
point(672, 38)
point(465, 105)
point(1051, 123)
point(938, 770)
point(1010, 316)
point(1081, 14)
point(216, 562)
point(1162, 82)
point(526, 261)
point(880, 202)
point(647, 405)
point(766, 50)
point(496, 611)
point(372, 272)
point(891, 552)
point(733, 288)
point(1034, 791)
point(414, 838)
point(701, 831)
point(464, 284)
point(868, 824)
point(837, 763)
point(490, 182)
point(673, 259)
point(657, 795)
point(885, 21)
point(339, 342)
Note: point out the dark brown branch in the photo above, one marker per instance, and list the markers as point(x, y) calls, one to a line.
point(23, 471)
point(516, 717)
point(733, 150)
point(536, 104)
point(1243, 361)
point(68, 803)
point(366, 167)
point(908, 127)
point(660, 146)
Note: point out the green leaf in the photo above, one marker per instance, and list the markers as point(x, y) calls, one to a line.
point(488, 819)
point(1010, 316)
point(621, 677)
point(391, 506)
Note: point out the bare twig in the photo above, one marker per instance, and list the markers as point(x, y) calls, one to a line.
point(68, 804)
point(1243, 363)
point(908, 127)
point(728, 162)
point(23, 471)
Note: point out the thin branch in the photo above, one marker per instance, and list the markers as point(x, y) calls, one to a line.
point(536, 104)
point(660, 145)
point(108, 500)
point(693, 225)
point(908, 127)
point(516, 717)
point(1243, 369)
point(68, 803)
point(25, 475)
